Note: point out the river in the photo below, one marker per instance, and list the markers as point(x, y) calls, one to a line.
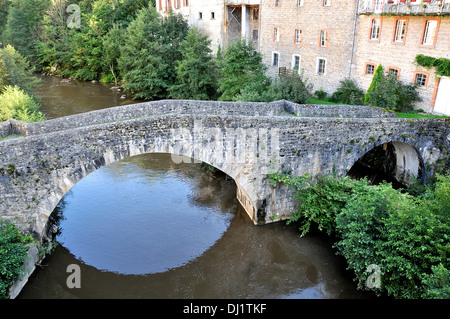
point(147, 227)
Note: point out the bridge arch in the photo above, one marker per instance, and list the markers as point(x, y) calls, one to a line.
point(109, 156)
point(395, 161)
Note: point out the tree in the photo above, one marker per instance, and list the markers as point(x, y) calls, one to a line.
point(371, 97)
point(241, 65)
point(17, 104)
point(113, 41)
point(195, 71)
point(148, 58)
point(15, 70)
point(23, 24)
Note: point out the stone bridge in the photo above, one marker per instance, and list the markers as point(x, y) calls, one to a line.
point(40, 162)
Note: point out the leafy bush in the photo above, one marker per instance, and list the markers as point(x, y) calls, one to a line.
point(348, 93)
point(13, 251)
point(390, 93)
point(320, 94)
point(406, 236)
point(16, 104)
point(289, 87)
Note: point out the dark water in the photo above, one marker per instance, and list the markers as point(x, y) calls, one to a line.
point(146, 227)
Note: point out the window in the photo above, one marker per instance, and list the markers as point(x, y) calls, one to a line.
point(213, 15)
point(275, 59)
point(370, 69)
point(400, 31)
point(200, 15)
point(276, 35)
point(321, 66)
point(299, 3)
point(177, 4)
point(168, 5)
point(298, 36)
point(326, 3)
point(295, 62)
point(186, 2)
point(421, 79)
point(255, 35)
point(323, 38)
point(277, 3)
point(255, 14)
point(393, 72)
point(375, 29)
point(429, 34)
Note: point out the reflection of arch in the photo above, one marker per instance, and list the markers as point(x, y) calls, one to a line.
point(396, 162)
point(65, 183)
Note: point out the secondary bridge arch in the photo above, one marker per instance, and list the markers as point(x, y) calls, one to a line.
point(40, 162)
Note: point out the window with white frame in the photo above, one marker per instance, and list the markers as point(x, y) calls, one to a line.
point(296, 62)
point(277, 3)
point(298, 36)
point(200, 15)
point(213, 15)
point(321, 66)
point(276, 34)
point(275, 59)
point(323, 38)
point(400, 31)
point(300, 3)
point(375, 29)
point(326, 3)
point(430, 32)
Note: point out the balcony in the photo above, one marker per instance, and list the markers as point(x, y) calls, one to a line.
point(400, 7)
point(243, 2)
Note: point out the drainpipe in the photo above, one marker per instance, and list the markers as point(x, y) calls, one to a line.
point(353, 42)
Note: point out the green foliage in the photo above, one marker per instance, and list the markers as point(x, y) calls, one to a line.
point(442, 64)
point(290, 87)
point(320, 94)
point(370, 97)
point(21, 28)
point(406, 236)
point(17, 104)
point(240, 65)
point(390, 93)
point(15, 70)
point(348, 93)
point(112, 42)
point(148, 59)
point(13, 251)
point(196, 78)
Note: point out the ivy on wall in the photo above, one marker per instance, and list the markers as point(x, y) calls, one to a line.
point(442, 65)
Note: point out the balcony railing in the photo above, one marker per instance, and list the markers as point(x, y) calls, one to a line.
point(394, 7)
point(244, 2)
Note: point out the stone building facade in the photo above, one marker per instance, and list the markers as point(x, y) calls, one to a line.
point(389, 35)
point(313, 36)
point(328, 41)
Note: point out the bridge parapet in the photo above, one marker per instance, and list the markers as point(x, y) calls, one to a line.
point(165, 107)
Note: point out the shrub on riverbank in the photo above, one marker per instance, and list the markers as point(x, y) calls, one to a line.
point(13, 251)
point(406, 236)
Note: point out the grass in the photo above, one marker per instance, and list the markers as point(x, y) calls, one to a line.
point(412, 115)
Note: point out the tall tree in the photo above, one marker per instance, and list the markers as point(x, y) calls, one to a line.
point(23, 24)
point(151, 49)
point(371, 98)
point(195, 71)
point(240, 66)
point(112, 43)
